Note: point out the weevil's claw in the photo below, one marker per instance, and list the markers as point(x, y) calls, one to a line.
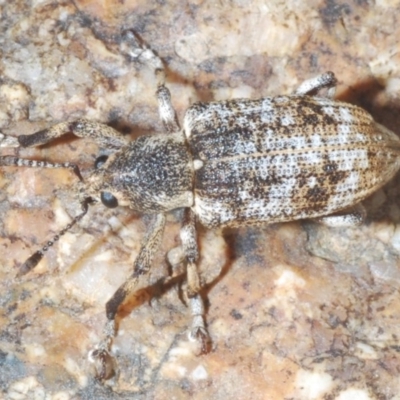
point(131, 45)
point(200, 335)
point(103, 363)
point(134, 48)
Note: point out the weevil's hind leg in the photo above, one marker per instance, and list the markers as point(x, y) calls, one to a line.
point(188, 236)
point(103, 135)
point(101, 355)
point(351, 217)
point(137, 50)
point(326, 80)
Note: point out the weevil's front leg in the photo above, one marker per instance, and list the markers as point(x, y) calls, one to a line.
point(351, 217)
point(138, 50)
point(188, 236)
point(165, 107)
point(104, 135)
point(101, 355)
point(323, 81)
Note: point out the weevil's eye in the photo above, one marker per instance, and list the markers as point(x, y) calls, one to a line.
point(100, 161)
point(108, 200)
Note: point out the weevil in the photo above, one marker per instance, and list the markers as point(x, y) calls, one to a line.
point(233, 163)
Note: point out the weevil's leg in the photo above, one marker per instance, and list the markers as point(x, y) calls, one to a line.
point(138, 50)
point(101, 356)
point(165, 107)
point(188, 236)
point(104, 135)
point(351, 217)
point(323, 81)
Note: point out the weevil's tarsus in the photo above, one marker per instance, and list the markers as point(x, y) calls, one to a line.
point(134, 47)
point(165, 109)
point(36, 257)
point(198, 332)
point(326, 80)
point(137, 50)
point(103, 363)
point(353, 216)
point(100, 356)
point(188, 235)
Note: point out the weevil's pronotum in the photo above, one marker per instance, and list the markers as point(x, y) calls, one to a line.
point(233, 163)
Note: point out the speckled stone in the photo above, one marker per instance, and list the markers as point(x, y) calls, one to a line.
point(296, 311)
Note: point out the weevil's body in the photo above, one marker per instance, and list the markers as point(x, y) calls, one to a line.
point(246, 162)
point(236, 162)
point(285, 158)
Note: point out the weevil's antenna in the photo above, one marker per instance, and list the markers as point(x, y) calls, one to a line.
point(22, 162)
point(34, 259)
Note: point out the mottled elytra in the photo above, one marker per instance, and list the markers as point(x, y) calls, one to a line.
point(234, 163)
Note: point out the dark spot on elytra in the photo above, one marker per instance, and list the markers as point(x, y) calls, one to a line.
point(337, 177)
point(317, 194)
point(328, 120)
point(311, 119)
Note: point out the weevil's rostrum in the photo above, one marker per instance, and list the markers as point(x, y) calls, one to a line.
point(234, 163)
point(285, 158)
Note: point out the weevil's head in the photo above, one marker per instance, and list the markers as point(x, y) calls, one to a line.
point(106, 184)
point(97, 188)
point(150, 175)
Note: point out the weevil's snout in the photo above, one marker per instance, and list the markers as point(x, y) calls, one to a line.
point(104, 184)
point(85, 192)
point(95, 187)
